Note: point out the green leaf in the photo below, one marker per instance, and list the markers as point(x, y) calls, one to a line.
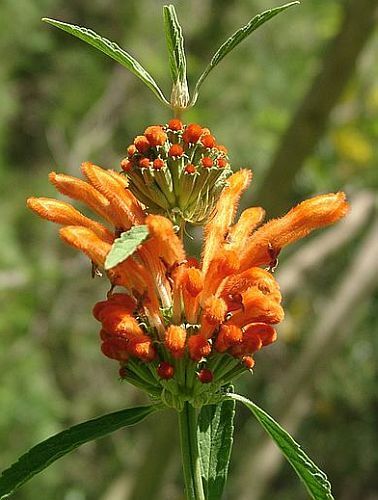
point(177, 59)
point(41, 456)
point(125, 245)
point(215, 438)
point(112, 50)
point(314, 479)
point(236, 39)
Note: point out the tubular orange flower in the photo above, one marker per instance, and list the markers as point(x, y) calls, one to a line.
point(176, 319)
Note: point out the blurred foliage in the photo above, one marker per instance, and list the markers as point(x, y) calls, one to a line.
point(62, 103)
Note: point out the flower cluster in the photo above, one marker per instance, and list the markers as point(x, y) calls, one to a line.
point(181, 329)
point(178, 170)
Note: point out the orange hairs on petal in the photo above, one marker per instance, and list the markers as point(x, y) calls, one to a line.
point(175, 337)
point(164, 240)
point(225, 210)
point(247, 223)
point(257, 307)
point(87, 241)
point(63, 213)
point(80, 190)
point(311, 214)
point(255, 276)
point(127, 210)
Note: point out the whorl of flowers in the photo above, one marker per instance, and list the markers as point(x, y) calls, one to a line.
point(182, 328)
point(177, 170)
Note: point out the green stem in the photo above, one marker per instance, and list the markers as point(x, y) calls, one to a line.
point(190, 453)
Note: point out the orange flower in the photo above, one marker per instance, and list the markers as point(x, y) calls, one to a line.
point(190, 323)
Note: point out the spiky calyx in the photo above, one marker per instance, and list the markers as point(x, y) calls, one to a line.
point(177, 170)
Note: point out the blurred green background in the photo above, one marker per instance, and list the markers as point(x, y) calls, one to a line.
point(298, 103)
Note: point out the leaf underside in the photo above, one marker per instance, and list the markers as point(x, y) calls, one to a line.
point(41, 456)
point(125, 245)
point(112, 50)
point(314, 479)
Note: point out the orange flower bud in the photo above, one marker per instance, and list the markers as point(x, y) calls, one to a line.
point(205, 376)
point(175, 150)
point(207, 162)
point(248, 362)
point(142, 144)
point(144, 163)
point(222, 162)
point(190, 169)
point(198, 347)
point(192, 133)
point(158, 164)
point(126, 165)
point(175, 124)
point(165, 370)
point(208, 141)
point(131, 150)
point(155, 135)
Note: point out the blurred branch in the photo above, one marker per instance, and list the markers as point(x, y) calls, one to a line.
point(334, 325)
point(310, 119)
point(294, 270)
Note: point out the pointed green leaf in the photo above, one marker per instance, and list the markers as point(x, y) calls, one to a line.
point(215, 438)
point(125, 245)
point(177, 59)
point(236, 39)
point(314, 479)
point(113, 50)
point(45, 453)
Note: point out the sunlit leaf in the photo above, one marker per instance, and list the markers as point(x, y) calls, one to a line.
point(314, 479)
point(41, 456)
point(113, 50)
point(125, 245)
point(236, 39)
point(175, 44)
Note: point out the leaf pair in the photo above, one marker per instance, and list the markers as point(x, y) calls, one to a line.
point(175, 44)
point(215, 430)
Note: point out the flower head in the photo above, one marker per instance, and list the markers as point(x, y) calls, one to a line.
point(181, 329)
point(177, 170)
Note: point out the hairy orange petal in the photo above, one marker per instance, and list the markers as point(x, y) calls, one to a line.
point(225, 210)
point(247, 223)
point(127, 210)
point(87, 241)
point(164, 240)
point(255, 276)
point(225, 263)
point(311, 214)
point(228, 336)
point(80, 190)
point(257, 307)
point(63, 213)
point(214, 312)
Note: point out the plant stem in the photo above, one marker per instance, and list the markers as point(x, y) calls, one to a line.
point(190, 453)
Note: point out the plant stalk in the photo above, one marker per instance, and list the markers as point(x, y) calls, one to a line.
point(190, 453)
